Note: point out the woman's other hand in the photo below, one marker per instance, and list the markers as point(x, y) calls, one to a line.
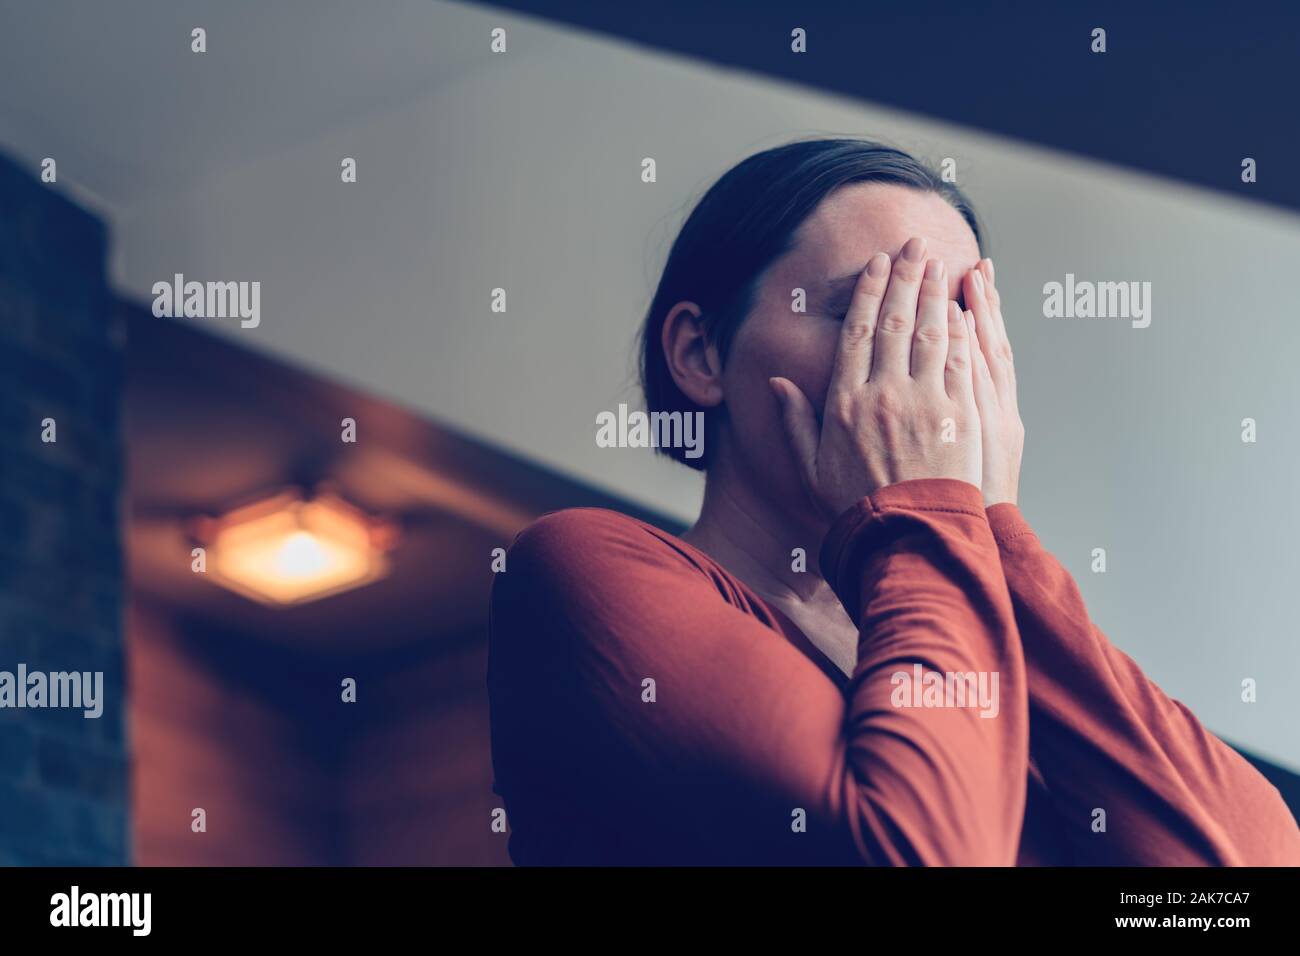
point(901, 401)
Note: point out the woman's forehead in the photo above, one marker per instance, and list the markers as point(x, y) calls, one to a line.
point(857, 221)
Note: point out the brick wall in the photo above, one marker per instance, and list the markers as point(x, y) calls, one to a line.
point(63, 778)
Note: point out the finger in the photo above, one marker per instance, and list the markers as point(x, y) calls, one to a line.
point(975, 289)
point(957, 364)
point(858, 335)
point(930, 339)
point(893, 349)
point(986, 398)
point(1003, 342)
point(1008, 399)
point(800, 422)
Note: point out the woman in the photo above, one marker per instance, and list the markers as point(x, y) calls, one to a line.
point(713, 698)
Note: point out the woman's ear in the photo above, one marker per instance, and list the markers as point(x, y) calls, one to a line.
point(693, 360)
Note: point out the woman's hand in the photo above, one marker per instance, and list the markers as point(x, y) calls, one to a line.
point(995, 388)
point(901, 402)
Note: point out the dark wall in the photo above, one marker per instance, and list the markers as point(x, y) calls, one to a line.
point(63, 778)
point(286, 773)
point(235, 728)
point(416, 776)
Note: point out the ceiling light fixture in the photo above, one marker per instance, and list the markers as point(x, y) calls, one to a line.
point(289, 549)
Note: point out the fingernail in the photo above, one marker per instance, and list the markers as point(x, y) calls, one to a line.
point(878, 265)
point(934, 269)
point(988, 267)
point(914, 249)
point(978, 281)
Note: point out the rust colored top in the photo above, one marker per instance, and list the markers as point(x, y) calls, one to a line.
point(649, 708)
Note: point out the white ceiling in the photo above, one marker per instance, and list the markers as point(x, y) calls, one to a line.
point(114, 93)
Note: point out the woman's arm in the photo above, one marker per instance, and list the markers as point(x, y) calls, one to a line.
point(1105, 736)
point(743, 730)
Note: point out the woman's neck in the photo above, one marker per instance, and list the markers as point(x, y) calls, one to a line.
point(756, 541)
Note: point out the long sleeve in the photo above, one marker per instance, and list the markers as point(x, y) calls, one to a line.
point(635, 707)
point(1104, 736)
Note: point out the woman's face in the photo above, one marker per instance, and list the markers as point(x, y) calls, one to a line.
point(831, 249)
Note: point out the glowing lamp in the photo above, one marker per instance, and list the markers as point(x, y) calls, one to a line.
point(287, 550)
